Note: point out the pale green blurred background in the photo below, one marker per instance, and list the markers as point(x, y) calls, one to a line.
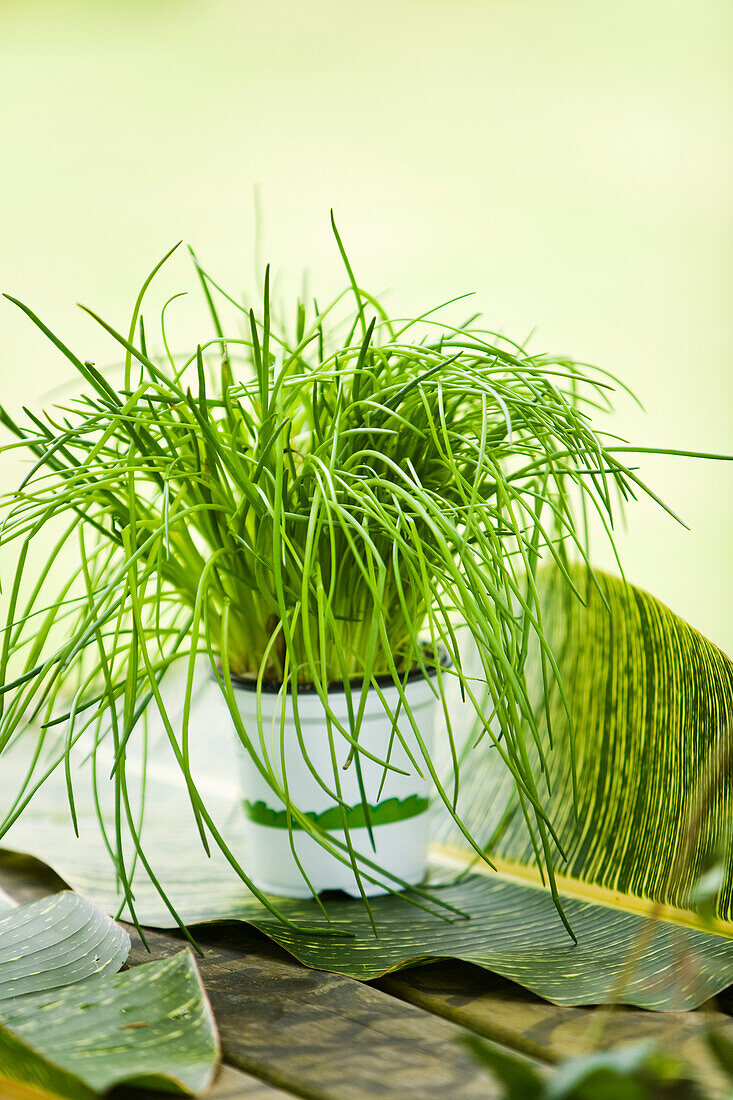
point(569, 160)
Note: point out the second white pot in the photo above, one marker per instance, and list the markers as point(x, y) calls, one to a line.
point(397, 804)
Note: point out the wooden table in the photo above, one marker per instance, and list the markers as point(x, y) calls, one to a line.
point(289, 1031)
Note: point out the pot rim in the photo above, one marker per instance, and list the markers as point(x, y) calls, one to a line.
point(335, 687)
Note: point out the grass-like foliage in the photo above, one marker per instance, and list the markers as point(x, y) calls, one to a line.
point(323, 499)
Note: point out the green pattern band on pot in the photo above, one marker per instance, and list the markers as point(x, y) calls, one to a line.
point(384, 813)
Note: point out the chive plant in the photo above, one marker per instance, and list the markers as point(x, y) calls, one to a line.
point(320, 501)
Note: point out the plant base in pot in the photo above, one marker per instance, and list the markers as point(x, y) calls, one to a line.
point(396, 799)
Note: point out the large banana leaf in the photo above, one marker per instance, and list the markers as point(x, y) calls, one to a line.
point(151, 1025)
point(71, 1026)
point(652, 702)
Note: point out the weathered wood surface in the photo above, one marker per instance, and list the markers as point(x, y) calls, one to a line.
point(232, 1084)
point(287, 1030)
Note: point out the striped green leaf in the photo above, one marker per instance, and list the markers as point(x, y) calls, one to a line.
point(652, 701)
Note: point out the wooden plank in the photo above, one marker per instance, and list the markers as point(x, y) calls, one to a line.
point(315, 1034)
point(232, 1084)
point(499, 1010)
point(320, 1035)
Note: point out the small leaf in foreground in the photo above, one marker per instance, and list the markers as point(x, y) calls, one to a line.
point(722, 1050)
point(632, 1072)
point(150, 1026)
point(519, 1078)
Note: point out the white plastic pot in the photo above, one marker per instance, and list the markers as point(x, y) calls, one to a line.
point(398, 812)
